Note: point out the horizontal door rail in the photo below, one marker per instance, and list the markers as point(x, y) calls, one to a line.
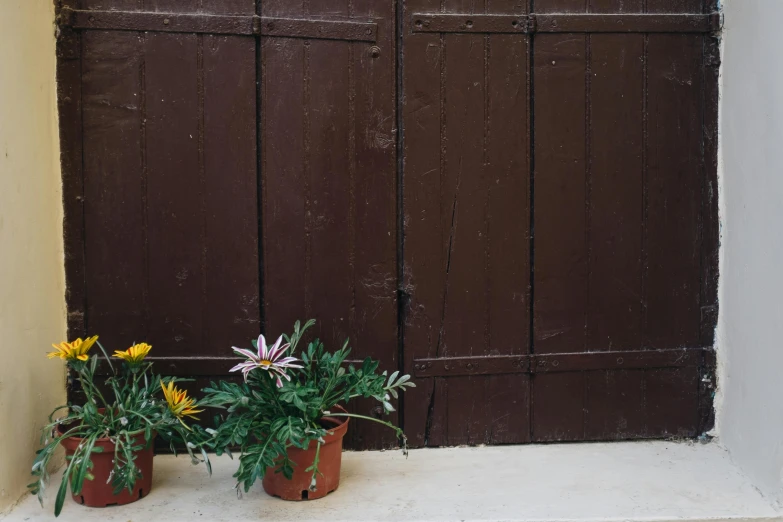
point(566, 23)
point(561, 362)
point(249, 25)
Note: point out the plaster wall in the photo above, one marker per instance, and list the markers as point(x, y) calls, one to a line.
point(32, 305)
point(749, 332)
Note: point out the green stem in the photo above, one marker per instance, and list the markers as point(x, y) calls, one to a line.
point(85, 378)
point(315, 466)
point(379, 421)
point(149, 421)
point(106, 355)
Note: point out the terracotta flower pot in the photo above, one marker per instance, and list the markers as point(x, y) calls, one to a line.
point(99, 492)
point(330, 458)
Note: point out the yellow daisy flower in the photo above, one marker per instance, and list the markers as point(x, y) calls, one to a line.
point(135, 354)
point(180, 404)
point(73, 351)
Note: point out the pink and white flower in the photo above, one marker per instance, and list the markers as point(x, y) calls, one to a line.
point(268, 358)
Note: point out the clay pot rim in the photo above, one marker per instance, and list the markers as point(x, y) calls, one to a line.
point(341, 425)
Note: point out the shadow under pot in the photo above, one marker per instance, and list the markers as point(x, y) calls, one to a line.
point(99, 492)
point(330, 459)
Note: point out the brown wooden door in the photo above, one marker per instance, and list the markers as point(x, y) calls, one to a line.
point(560, 222)
point(238, 173)
point(231, 166)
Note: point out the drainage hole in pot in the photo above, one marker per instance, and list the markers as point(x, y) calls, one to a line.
point(81, 500)
point(112, 504)
point(141, 493)
point(304, 494)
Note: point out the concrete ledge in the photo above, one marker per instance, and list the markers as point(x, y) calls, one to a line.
point(642, 481)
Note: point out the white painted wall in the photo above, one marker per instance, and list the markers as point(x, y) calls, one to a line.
point(32, 287)
point(751, 324)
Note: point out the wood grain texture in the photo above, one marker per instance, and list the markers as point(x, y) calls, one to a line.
point(616, 193)
point(674, 186)
point(114, 188)
point(230, 200)
point(561, 193)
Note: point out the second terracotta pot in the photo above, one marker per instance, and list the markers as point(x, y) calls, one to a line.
point(99, 492)
point(329, 461)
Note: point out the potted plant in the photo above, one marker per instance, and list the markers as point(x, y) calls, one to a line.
point(108, 439)
point(288, 419)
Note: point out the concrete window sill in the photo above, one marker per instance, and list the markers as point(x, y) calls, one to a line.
point(644, 481)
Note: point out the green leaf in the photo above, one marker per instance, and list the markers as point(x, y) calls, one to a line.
point(392, 377)
point(58, 503)
point(77, 481)
point(60, 500)
point(206, 460)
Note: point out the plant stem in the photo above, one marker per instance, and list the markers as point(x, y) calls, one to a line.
point(89, 391)
point(152, 424)
point(315, 466)
point(379, 421)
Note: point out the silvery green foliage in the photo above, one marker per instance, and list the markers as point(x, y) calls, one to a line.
point(264, 418)
point(129, 411)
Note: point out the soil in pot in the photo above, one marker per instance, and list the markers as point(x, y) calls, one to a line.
point(99, 492)
point(330, 458)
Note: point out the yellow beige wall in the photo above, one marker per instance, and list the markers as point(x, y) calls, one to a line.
point(32, 305)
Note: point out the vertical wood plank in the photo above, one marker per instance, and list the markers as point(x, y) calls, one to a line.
point(614, 307)
point(284, 142)
point(560, 193)
point(671, 396)
point(507, 165)
point(561, 221)
point(69, 105)
point(678, 188)
point(614, 406)
point(373, 211)
point(710, 227)
point(230, 219)
point(614, 400)
point(463, 215)
point(329, 171)
point(114, 187)
point(674, 191)
point(557, 410)
point(424, 260)
point(709, 210)
point(174, 99)
point(507, 146)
